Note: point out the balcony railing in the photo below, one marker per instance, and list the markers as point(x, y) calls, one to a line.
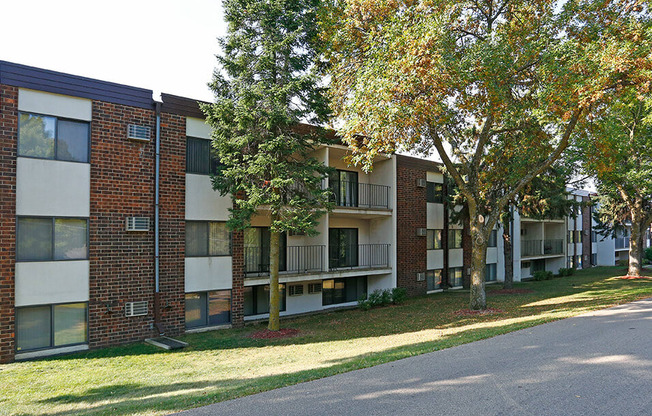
point(360, 195)
point(622, 242)
point(361, 256)
point(531, 248)
point(295, 260)
point(553, 247)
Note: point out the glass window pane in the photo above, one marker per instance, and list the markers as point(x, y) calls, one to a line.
point(433, 280)
point(195, 310)
point(72, 141)
point(34, 240)
point(219, 307)
point(36, 136)
point(32, 328)
point(437, 240)
point(198, 156)
point(196, 239)
point(70, 239)
point(262, 299)
point(249, 300)
point(430, 239)
point(218, 239)
point(70, 324)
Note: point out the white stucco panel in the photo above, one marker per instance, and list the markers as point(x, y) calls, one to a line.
point(54, 104)
point(196, 127)
point(435, 259)
point(52, 188)
point(41, 283)
point(208, 273)
point(204, 203)
point(434, 177)
point(435, 216)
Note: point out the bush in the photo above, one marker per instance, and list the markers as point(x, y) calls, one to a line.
point(566, 271)
point(623, 263)
point(399, 295)
point(542, 275)
point(363, 303)
point(382, 298)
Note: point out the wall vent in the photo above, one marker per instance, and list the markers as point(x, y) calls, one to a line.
point(139, 133)
point(296, 290)
point(421, 276)
point(136, 308)
point(137, 224)
point(421, 183)
point(314, 288)
point(422, 232)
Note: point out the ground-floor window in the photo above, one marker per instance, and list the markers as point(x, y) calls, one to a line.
point(256, 299)
point(594, 259)
point(538, 265)
point(50, 326)
point(455, 276)
point(208, 308)
point(491, 273)
point(433, 279)
point(350, 289)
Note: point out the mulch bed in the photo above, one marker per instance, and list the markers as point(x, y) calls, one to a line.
point(634, 277)
point(510, 291)
point(281, 333)
point(471, 312)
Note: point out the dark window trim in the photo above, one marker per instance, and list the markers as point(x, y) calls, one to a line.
point(441, 239)
point(255, 299)
point(213, 164)
point(437, 194)
point(208, 242)
point(52, 346)
point(52, 242)
point(206, 306)
point(56, 138)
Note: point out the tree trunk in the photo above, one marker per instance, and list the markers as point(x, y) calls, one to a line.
point(478, 264)
point(274, 293)
point(635, 249)
point(509, 258)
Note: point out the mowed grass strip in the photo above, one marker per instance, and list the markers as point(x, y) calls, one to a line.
point(220, 365)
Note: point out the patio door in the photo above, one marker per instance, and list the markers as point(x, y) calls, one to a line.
point(344, 185)
point(343, 247)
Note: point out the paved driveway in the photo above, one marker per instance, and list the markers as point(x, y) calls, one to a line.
point(595, 364)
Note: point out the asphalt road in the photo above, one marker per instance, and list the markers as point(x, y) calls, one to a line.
point(595, 364)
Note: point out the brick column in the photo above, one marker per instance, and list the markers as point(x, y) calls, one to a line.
point(237, 291)
point(8, 149)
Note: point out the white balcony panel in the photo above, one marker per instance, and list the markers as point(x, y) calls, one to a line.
point(54, 104)
point(435, 259)
point(207, 273)
point(52, 188)
point(455, 257)
point(492, 255)
point(435, 216)
point(41, 283)
point(196, 127)
point(434, 177)
point(202, 202)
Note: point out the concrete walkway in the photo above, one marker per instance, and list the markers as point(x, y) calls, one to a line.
point(596, 364)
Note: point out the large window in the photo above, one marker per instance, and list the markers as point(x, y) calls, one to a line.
point(47, 137)
point(207, 239)
point(491, 273)
point(208, 308)
point(433, 279)
point(256, 299)
point(454, 239)
point(47, 239)
point(435, 192)
point(343, 247)
point(49, 326)
point(433, 239)
point(493, 239)
point(455, 277)
point(350, 289)
point(257, 247)
point(344, 186)
point(201, 158)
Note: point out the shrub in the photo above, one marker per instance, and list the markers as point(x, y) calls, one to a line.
point(542, 275)
point(566, 271)
point(363, 303)
point(382, 298)
point(623, 263)
point(399, 295)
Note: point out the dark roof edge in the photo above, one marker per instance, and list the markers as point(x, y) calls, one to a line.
point(182, 106)
point(416, 163)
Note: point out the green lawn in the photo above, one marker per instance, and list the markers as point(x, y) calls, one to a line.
point(220, 365)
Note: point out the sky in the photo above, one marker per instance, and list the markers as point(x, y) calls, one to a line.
point(163, 45)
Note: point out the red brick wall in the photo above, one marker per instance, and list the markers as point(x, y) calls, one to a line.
point(121, 263)
point(411, 214)
point(8, 141)
point(237, 291)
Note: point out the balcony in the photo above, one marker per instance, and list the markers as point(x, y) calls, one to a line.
point(533, 248)
point(294, 260)
point(358, 256)
point(622, 243)
point(351, 194)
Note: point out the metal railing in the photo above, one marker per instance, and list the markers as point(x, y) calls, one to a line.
point(622, 242)
point(553, 247)
point(360, 195)
point(361, 256)
point(531, 248)
point(295, 260)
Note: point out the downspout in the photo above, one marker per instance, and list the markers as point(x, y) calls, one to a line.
point(157, 303)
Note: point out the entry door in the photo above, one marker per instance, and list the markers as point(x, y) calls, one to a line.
point(257, 247)
point(344, 185)
point(343, 247)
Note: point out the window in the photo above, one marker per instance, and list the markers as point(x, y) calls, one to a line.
point(201, 158)
point(49, 326)
point(454, 239)
point(491, 273)
point(594, 259)
point(208, 308)
point(578, 261)
point(314, 288)
point(343, 247)
point(256, 299)
point(207, 239)
point(571, 237)
point(594, 236)
point(434, 192)
point(350, 289)
point(493, 239)
point(570, 262)
point(257, 247)
point(296, 290)
point(47, 239)
point(344, 186)
point(47, 137)
point(433, 279)
point(433, 239)
point(455, 277)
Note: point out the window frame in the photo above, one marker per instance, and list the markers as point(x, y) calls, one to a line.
point(493, 266)
point(213, 164)
point(493, 239)
point(282, 307)
point(451, 238)
point(344, 279)
point(208, 240)
point(56, 137)
point(433, 272)
point(52, 238)
point(436, 196)
point(434, 239)
point(451, 278)
point(52, 332)
point(206, 306)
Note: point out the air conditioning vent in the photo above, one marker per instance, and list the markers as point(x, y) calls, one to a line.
point(314, 288)
point(421, 183)
point(421, 232)
point(139, 133)
point(296, 290)
point(136, 308)
point(137, 224)
point(421, 276)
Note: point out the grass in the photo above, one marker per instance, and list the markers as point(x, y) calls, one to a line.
point(142, 380)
